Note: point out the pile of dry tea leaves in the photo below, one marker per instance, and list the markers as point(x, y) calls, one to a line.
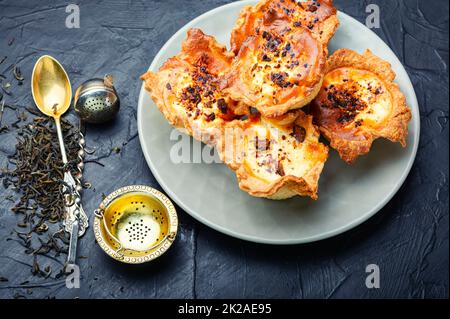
point(37, 175)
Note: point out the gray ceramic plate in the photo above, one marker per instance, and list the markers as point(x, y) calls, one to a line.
point(348, 195)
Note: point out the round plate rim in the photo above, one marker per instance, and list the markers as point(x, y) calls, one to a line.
point(325, 235)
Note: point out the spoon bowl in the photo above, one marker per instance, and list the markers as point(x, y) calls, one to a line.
point(52, 92)
point(51, 87)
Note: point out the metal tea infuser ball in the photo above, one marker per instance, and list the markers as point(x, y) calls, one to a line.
point(96, 100)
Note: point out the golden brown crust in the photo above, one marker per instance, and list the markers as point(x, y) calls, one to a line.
point(358, 103)
point(186, 88)
point(319, 16)
point(275, 158)
point(275, 71)
point(243, 28)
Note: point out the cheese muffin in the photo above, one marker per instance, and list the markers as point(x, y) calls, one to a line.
point(186, 88)
point(358, 103)
point(277, 71)
point(275, 158)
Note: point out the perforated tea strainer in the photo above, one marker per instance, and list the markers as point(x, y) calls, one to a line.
point(96, 100)
point(135, 224)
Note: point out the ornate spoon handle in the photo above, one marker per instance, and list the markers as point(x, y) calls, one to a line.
point(76, 220)
point(77, 213)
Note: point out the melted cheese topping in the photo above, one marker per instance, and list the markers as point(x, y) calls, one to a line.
point(370, 89)
point(273, 152)
point(352, 98)
point(194, 92)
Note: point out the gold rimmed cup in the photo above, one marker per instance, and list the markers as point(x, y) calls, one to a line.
point(135, 224)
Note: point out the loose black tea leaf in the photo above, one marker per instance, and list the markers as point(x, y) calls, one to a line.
point(12, 107)
point(2, 108)
point(42, 228)
point(6, 88)
point(33, 111)
point(95, 162)
point(18, 74)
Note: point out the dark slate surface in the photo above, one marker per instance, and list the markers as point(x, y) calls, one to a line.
point(408, 239)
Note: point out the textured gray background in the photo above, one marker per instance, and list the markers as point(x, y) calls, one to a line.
point(408, 239)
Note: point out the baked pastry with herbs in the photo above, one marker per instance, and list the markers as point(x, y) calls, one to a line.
point(358, 103)
point(275, 158)
point(186, 88)
point(318, 16)
point(276, 72)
